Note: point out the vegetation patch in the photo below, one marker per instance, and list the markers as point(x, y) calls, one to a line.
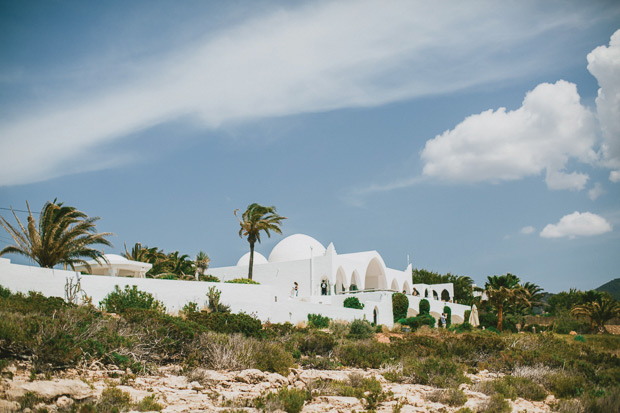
point(353, 302)
point(243, 281)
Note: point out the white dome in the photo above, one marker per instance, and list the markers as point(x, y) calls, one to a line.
point(114, 259)
point(296, 247)
point(245, 259)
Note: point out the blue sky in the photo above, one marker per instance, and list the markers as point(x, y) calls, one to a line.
point(478, 138)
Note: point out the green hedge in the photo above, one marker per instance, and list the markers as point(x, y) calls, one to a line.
point(353, 302)
point(425, 307)
point(400, 305)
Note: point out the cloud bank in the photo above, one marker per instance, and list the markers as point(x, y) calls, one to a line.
point(577, 224)
point(549, 129)
point(315, 57)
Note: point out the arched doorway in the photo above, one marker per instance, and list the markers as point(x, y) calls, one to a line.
point(394, 286)
point(445, 296)
point(355, 281)
point(375, 276)
point(375, 316)
point(406, 288)
point(341, 281)
point(435, 295)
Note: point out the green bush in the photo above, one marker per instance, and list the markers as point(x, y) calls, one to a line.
point(242, 281)
point(364, 354)
point(229, 323)
point(318, 321)
point(434, 371)
point(114, 400)
point(466, 316)
point(290, 400)
point(418, 321)
point(149, 404)
point(119, 301)
point(451, 397)
point(317, 343)
point(448, 312)
point(564, 324)
point(4, 292)
point(208, 278)
point(353, 302)
point(361, 329)
point(425, 307)
point(564, 384)
point(400, 305)
point(190, 308)
point(496, 404)
point(274, 358)
point(512, 387)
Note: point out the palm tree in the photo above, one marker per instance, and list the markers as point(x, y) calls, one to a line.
point(63, 235)
point(202, 263)
point(504, 289)
point(602, 309)
point(144, 253)
point(255, 219)
point(180, 264)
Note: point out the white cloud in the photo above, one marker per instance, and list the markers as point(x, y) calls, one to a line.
point(527, 230)
point(314, 57)
point(549, 129)
point(577, 224)
point(604, 64)
point(596, 191)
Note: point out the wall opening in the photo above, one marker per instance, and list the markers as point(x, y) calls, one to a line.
point(375, 276)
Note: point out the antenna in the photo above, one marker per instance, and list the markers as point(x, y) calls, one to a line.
point(407, 260)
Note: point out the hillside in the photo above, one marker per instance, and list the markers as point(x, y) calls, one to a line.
point(612, 287)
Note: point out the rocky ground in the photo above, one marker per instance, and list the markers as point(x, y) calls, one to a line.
point(208, 390)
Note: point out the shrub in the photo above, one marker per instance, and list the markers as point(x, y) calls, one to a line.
point(229, 323)
point(273, 357)
point(242, 281)
point(451, 397)
point(400, 305)
point(364, 354)
point(353, 302)
point(564, 324)
point(425, 307)
point(434, 371)
point(113, 400)
point(420, 320)
point(213, 301)
point(580, 338)
point(317, 343)
point(208, 278)
point(564, 384)
point(512, 387)
point(4, 292)
point(224, 352)
point(318, 321)
point(361, 329)
point(496, 404)
point(149, 404)
point(448, 312)
point(466, 316)
point(130, 298)
point(190, 308)
point(290, 400)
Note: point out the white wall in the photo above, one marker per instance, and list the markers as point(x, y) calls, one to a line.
point(266, 302)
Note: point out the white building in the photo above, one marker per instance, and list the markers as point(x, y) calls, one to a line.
point(116, 266)
point(324, 277)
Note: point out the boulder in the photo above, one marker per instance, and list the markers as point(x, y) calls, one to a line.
point(49, 390)
point(250, 376)
point(8, 406)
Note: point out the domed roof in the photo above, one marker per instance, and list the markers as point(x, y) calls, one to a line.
point(245, 259)
point(114, 259)
point(296, 247)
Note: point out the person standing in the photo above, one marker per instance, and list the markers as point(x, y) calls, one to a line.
point(323, 287)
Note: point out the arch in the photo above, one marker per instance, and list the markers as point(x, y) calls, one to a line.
point(426, 293)
point(455, 319)
point(437, 316)
point(394, 286)
point(406, 287)
point(375, 315)
point(375, 276)
point(445, 295)
point(355, 281)
point(435, 295)
point(341, 281)
point(412, 312)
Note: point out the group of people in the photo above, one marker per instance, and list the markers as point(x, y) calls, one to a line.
point(443, 320)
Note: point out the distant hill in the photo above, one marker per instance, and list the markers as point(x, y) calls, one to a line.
point(612, 287)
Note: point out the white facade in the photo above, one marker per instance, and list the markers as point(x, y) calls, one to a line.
point(116, 266)
point(298, 258)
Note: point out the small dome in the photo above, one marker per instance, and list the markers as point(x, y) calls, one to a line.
point(296, 247)
point(245, 259)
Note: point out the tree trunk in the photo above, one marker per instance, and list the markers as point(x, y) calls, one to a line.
point(500, 314)
point(251, 260)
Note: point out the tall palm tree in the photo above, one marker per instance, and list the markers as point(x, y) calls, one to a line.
point(144, 254)
point(602, 309)
point(255, 219)
point(62, 236)
point(202, 263)
point(504, 289)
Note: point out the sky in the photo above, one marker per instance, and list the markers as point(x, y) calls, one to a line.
point(476, 138)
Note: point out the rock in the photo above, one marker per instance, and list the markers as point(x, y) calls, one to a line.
point(276, 379)
point(8, 406)
point(64, 402)
point(250, 376)
point(48, 390)
point(573, 333)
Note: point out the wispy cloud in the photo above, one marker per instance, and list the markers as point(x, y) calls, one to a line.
point(314, 57)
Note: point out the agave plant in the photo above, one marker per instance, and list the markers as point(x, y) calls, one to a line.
point(62, 236)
